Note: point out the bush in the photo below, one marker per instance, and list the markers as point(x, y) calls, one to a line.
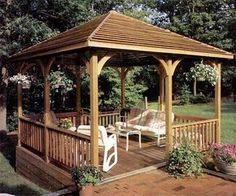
point(185, 94)
point(199, 99)
point(185, 161)
point(12, 122)
point(85, 175)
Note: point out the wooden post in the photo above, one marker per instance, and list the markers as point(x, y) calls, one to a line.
point(218, 102)
point(47, 120)
point(78, 96)
point(168, 101)
point(122, 79)
point(93, 70)
point(46, 114)
point(162, 91)
point(19, 111)
point(195, 87)
point(168, 69)
point(145, 103)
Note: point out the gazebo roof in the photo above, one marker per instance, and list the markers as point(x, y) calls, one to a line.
point(117, 31)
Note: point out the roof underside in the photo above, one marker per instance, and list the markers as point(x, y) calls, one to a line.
point(116, 31)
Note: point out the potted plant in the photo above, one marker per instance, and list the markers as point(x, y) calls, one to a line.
point(224, 156)
point(24, 80)
point(185, 160)
point(85, 178)
point(203, 72)
point(65, 123)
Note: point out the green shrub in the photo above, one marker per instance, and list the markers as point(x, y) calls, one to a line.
point(199, 99)
point(185, 94)
point(185, 161)
point(85, 175)
point(12, 122)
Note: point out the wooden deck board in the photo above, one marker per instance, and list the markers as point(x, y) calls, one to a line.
point(136, 158)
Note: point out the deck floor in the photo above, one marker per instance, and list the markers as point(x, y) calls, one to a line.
point(136, 158)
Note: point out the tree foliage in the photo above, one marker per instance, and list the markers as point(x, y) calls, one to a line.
point(27, 22)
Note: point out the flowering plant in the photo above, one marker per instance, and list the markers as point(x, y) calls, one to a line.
point(59, 80)
point(85, 175)
point(224, 152)
point(21, 79)
point(203, 71)
point(65, 123)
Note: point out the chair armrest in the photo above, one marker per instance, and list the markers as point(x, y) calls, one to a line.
point(112, 137)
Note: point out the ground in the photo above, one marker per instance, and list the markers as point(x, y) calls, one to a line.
point(159, 182)
point(15, 184)
point(10, 181)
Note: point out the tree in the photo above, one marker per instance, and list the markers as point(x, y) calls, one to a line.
point(209, 21)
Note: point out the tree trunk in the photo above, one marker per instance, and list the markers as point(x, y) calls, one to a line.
point(195, 87)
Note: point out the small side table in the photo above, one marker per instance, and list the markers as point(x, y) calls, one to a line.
point(125, 133)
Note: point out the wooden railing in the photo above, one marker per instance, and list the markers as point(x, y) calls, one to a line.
point(180, 119)
point(63, 148)
point(104, 119)
point(70, 115)
point(68, 148)
point(32, 134)
point(202, 133)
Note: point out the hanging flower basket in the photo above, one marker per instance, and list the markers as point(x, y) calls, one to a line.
point(203, 72)
point(21, 79)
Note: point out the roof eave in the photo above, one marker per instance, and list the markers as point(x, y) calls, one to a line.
point(158, 50)
point(24, 56)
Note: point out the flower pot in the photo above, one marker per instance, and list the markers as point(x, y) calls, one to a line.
point(86, 190)
point(226, 168)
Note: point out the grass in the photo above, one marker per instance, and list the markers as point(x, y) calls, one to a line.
point(10, 181)
point(228, 133)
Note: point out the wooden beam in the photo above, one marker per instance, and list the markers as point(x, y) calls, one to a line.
point(123, 73)
point(169, 67)
point(162, 75)
point(218, 101)
point(47, 120)
point(168, 102)
point(157, 50)
point(162, 93)
point(103, 60)
point(93, 69)
point(19, 110)
point(78, 96)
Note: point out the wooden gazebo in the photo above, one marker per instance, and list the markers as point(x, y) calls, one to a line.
point(120, 42)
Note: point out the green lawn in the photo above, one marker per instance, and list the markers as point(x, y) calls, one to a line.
point(10, 181)
point(207, 110)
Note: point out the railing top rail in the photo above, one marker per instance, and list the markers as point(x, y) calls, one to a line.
point(109, 114)
point(65, 114)
point(31, 121)
point(68, 132)
point(191, 117)
point(195, 123)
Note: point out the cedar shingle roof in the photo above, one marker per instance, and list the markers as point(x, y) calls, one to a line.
point(117, 31)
